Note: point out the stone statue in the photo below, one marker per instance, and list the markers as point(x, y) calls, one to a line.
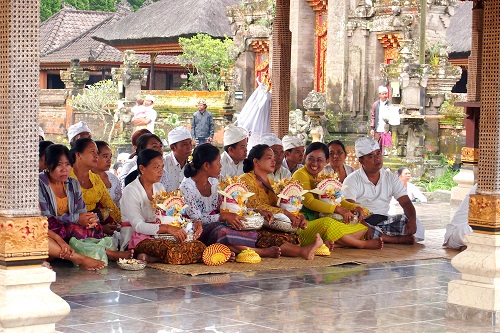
point(299, 125)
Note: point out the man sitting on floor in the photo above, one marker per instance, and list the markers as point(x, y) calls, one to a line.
point(372, 187)
point(459, 225)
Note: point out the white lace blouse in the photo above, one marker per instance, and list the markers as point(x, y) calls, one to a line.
point(115, 191)
point(199, 206)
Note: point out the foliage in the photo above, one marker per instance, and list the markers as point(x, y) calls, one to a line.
point(51, 7)
point(452, 114)
point(166, 124)
point(443, 182)
point(100, 99)
point(206, 59)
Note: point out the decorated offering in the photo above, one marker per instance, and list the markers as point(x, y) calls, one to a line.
point(131, 264)
point(328, 187)
point(169, 208)
point(248, 256)
point(290, 196)
point(216, 254)
point(235, 196)
point(323, 250)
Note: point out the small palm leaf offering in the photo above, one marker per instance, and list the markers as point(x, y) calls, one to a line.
point(328, 187)
point(169, 207)
point(216, 254)
point(290, 196)
point(235, 195)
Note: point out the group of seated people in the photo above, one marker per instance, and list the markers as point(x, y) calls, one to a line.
point(81, 198)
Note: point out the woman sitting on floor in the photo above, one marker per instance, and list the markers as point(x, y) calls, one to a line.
point(260, 160)
point(137, 209)
point(109, 179)
point(199, 189)
point(95, 194)
point(342, 234)
point(60, 200)
point(414, 193)
point(337, 156)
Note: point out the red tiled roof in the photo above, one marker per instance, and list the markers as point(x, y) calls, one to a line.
point(66, 25)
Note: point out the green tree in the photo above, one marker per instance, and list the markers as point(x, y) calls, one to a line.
point(100, 99)
point(79, 4)
point(206, 59)
point(102, 5)
point(49, 8)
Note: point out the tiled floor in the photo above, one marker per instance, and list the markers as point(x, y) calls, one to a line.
point(397, 297)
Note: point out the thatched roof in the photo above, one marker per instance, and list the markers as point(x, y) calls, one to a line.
point(167, 20)
point(458, 34)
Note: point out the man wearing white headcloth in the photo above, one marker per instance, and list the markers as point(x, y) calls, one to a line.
point(294, 153)
point(372, 187)
point(181, 144)
point(276, 145)
point(379, 114)
point(41, 134)
point(235, 151)
point(78, 131)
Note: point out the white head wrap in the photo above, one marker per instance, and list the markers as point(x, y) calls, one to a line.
point(290, 142)
point(41, 133)
point(364, 146)
point(234, 134)
point(382, 89)
point(122, 157)
point(149, 98)
point(76, 129)
point(270, 139)
point(178, 134)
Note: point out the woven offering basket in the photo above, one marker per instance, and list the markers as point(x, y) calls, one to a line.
point(131, 264)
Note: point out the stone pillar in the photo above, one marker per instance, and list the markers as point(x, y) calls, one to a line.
point(476, 296)
point(26, 302)
point(302, 26)
point(337, 49)
point(74, 79)
point(280, 69)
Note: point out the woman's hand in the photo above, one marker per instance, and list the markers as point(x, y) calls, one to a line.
point(179, 233)
point(298, 221)
point(198, 228)
point(88, 220)
point(66, 250)
point(268, 216)
point(348, 215)
point(233, 219)
point(360, 211)
point(109, 229)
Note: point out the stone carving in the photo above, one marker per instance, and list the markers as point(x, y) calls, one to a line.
point(315, 101)
point(74, 78)
point(484, 211)
point(23, 238)
point(299, 125)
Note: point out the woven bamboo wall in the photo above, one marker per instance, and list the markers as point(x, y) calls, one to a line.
point(475, 58)
point(19, 85)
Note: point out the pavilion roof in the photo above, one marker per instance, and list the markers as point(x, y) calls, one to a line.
point(458, 34)
point(88, 50)
point(66, 25)
point(165, 21)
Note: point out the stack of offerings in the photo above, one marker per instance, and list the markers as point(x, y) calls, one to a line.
point(290, 196)
point(169, 207)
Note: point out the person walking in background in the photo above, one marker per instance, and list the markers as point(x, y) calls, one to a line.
point(379, 115)
point(149, 120)
point(202, 124)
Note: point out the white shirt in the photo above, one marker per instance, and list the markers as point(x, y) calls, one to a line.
point(200, 207)
point(131, 165)
point(151, 114)
point(348, 169)
point(229, 167)
point(280, 174)
point(137, 209)
point(115, 191)
point(285, 165)
point(415, 193)
point(461, 218)
point(175, 173)
point(383, 116)
point(376, 198)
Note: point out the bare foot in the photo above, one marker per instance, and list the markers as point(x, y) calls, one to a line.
point(88, 263)
point(407, 239)
point(307, 252)
point(462, 248)
point(46, 264)
point(374, 244)
point(147, 258)
point(115, 255)
point(331, 245)
point(232, 257)
point(269, 252)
